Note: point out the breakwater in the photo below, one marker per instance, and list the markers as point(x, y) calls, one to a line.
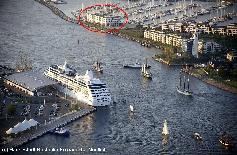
point(56, 11)
point(62, 15)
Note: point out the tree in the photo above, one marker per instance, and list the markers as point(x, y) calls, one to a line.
point(76, 106)
point(11, 109)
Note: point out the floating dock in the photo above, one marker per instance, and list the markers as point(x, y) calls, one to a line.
point(49, 126)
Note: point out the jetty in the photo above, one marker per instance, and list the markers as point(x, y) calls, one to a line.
point(57, 12)
point(43, 129)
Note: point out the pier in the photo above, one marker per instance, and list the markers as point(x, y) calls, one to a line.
point(43, 129)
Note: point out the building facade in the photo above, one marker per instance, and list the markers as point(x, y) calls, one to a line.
point(164, 38)
point(105, 20)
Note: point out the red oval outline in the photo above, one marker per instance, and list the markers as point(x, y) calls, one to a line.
point(109, 30)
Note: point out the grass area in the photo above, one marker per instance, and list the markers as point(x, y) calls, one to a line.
point(171, 56)
point(225, 77)
point(136, 32)
point(232, 83)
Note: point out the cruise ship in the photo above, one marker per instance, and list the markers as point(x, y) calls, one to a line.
point(85, 88)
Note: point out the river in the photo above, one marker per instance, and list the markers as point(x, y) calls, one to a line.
point(28, 26)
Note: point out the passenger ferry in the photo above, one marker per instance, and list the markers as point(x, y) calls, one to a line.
point(85, 88)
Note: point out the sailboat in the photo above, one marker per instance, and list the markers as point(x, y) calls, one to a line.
point(97, 66)
point(146, 72)
point(165, 131)
point(183, 90)
point(131, 108)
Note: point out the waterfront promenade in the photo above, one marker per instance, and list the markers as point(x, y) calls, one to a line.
point(48, 126)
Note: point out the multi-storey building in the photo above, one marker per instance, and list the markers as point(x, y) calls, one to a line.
point(231, 29)
point(220, 30)
point(164, 38)
point(211, 46)
point(191, 28)
point(106, 20)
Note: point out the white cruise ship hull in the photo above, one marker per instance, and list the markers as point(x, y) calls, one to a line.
point(85, 88)
point(81, 97)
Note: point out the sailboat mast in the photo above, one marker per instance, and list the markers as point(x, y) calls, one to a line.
point(180, 80)
point(184, 82)
point(188, 82)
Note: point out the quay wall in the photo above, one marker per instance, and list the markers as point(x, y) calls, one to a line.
point(46, 128)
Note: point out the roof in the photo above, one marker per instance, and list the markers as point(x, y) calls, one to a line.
point(33, 122)
point(31, 80)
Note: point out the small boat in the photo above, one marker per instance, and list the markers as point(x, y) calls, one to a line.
point(131, 108)
point(145, 72)
point(137, 65)
point(226, 140)
point(61, 131)
point(58, 2)
point(41, 107)
point(197, 136)
point(98, 67)
point(165, 131)
point(183, 90)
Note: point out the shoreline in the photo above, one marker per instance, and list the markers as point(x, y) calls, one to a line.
point(143, 42)
point(63, 16)
point(220, 85)
point(213, 82)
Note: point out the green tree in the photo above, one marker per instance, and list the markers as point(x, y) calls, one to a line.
point(11, 109)
point(76, 107)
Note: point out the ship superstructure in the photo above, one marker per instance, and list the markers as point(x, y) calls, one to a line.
point(85, 88)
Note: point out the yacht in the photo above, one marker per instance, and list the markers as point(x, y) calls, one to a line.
point(85, 88)
point(61, 131)
point(58, 1)
point(197, 136)
point(137, 65)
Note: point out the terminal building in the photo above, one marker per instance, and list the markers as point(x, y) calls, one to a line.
point(31, 83)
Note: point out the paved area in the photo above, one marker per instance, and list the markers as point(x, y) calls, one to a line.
point(45, 128)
